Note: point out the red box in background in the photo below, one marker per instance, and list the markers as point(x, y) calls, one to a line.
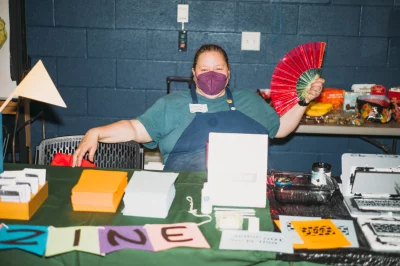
point(378, 90)
point(394, 95)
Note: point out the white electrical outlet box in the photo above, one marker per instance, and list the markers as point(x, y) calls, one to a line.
point(183, 13)
point(251, 41)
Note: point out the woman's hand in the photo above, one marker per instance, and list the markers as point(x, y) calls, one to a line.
point(88, 144)
point(291, 119)
point(315, 90)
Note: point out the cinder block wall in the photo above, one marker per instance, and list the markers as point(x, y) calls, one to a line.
point(110, 58)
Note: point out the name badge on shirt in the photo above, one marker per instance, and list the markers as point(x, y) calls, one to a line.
point(198, 108)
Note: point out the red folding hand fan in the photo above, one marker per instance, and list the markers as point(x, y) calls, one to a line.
point(294, 74)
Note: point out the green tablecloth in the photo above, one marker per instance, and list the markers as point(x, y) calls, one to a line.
point(57, 211)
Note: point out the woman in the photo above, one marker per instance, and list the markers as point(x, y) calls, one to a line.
point(179, 123)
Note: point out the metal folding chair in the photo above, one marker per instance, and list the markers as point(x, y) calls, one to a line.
point(108, 155)
point(170, 79)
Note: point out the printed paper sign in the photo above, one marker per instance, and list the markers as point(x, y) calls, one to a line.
point(264, 241)
point(345, 226)
point(348, 230)
point(65, 239)
point(166, 236)
point(320, 234)
point(288, 230)
point(25, 237)
point(113, 238)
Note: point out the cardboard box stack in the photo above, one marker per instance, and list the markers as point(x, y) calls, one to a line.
point(99, 190)
point(149, 194)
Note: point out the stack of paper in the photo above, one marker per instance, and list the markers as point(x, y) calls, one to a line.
point(99, 191)
point(149, 194)
point(21, 185)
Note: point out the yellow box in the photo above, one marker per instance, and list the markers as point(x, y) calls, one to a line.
point(24, 211)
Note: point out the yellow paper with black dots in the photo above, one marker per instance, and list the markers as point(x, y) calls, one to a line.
point(319, 234)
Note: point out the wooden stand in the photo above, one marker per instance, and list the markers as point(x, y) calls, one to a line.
point(12, 108)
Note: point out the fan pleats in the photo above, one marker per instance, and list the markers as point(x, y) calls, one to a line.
point(294, 74)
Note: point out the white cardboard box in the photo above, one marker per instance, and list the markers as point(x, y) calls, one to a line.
point(237, 169)
point(149, 194)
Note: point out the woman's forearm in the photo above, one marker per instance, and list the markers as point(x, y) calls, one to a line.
point(290, 120)
point(122, 131)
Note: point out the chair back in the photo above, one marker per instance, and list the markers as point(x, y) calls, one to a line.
point(108, 155)
point(170, 79)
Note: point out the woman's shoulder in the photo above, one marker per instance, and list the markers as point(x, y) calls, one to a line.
point(244, 94)
point(178, 96)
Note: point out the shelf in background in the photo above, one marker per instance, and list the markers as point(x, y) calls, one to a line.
point(367, 129)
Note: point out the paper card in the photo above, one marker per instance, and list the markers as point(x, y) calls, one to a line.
point(288, 230)
point(253, 224)
point(38, 173)
point(320, 234)
point(25, 237)
point(16, 193)
point(345, 226)
point(166, 236)
point(113, 238)
point(348, 230)
point(33, 183)
point(263, 241)
point(8, 182)
point(66, 239)
point(7, 195)
point(12, 174)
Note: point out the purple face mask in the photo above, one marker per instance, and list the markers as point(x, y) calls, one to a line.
point(211, 83)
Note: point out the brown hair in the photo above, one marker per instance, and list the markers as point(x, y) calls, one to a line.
point(210, 48)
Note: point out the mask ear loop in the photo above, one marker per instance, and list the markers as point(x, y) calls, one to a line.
point(194, 212)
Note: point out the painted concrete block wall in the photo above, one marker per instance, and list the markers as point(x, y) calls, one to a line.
point(110, 58)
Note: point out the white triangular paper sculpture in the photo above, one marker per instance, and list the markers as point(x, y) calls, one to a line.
point(37, 85)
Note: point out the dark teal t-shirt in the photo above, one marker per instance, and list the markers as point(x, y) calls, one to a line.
point(166, 120)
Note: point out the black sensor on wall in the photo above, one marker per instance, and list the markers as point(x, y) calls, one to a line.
point(182, 41)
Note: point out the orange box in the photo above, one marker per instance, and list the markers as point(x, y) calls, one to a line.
point(24, 211)
point(332, 95)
